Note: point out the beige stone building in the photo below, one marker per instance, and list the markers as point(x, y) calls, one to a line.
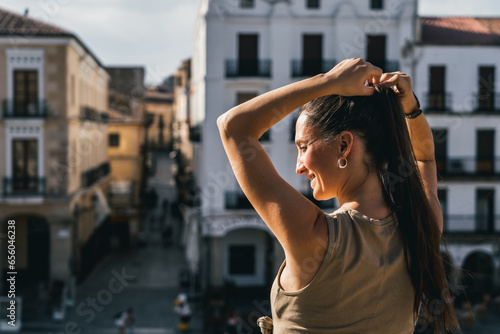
point(54, 171)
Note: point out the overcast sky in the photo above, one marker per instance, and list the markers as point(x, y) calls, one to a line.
point(158, 34)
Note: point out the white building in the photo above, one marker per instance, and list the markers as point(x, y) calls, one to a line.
point(244, 48)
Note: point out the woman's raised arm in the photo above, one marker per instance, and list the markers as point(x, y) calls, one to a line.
point(292, 218)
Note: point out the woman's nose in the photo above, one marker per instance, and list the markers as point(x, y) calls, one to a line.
point(300, 169)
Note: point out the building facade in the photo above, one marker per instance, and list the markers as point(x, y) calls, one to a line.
point(244, 48)
point(54, 174)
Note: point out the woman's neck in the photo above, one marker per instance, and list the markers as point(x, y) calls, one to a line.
point(366, 197)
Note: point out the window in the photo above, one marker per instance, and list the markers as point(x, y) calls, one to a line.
point(437, 99)
point(313, 4)
point(485, 148)
point(25, 164)
point(376, 50)
point(441, 149)
point(377, 4)
point(443, 200)
point(242, 260)
point(312, 54)
point(246, 3)
point(485, 210)
point(25, 92)
point(114, 139)
point(486, 97)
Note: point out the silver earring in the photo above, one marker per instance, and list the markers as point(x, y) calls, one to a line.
point(340, 165)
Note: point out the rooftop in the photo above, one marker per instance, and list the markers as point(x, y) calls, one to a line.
point(21, 25)
point(460, 31)
point(12, 24)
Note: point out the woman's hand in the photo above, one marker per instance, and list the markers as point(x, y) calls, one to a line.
point(349, 77)
point(402, 86)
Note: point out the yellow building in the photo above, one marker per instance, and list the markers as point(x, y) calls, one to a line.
point(54, 171)
point(126, 151)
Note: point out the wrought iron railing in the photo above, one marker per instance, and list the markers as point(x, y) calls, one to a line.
point(468, 167)
point(236, 68)
point(471, 224)
point(387, 65)
point(438, 101)
point(91, 176)
point(487, 102)
point(25, 109)
point(311, 67)
point(24, 186)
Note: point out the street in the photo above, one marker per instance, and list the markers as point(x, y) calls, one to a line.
point(145, 279)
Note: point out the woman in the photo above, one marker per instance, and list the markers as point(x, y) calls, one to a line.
point(374, 264)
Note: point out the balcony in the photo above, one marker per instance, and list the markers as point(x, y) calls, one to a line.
point(487, 102)
point(248, 68)
point(23, 186)
point(471, 224)
point(468, 167)
point(90, 114)
point(91, 176)
point(438, 102)
point(24, 109)
point(385, 64)
point(309, 68)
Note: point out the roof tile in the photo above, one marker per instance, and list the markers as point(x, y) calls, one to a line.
point(460, 31)
point(22, 25)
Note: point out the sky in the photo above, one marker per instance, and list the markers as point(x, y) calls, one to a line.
point(158, 34)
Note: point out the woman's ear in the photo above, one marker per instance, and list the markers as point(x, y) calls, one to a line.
point(346, 140)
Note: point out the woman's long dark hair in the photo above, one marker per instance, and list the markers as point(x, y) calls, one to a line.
point(379, 121)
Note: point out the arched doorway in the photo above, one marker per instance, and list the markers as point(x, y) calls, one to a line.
point(478, 275)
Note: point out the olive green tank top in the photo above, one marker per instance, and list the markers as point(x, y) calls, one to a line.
point(362, 285)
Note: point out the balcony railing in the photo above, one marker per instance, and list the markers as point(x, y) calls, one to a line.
point(438, 101)
point(471, 224)
point(386, 65)
point(23, 186)
point(24, 109)
point(468, 167)
point(487, 102)
point(307, 68)
point(248, 68)
point(91, 176)
point(90, 114)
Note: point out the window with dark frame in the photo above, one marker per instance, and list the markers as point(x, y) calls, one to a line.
point(25, 92)
point(114, 139)
point(246, 3)
point(376, 4)
point(312, 4)
point(443, 200)
point(242, 260)
point(437, 96)
point(24, 164)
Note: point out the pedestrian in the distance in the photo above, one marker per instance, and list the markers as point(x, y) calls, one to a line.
point(232, 323)
point(130, 321)
point(183, 309)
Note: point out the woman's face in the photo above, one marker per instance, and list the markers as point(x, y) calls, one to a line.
point(317, 160)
